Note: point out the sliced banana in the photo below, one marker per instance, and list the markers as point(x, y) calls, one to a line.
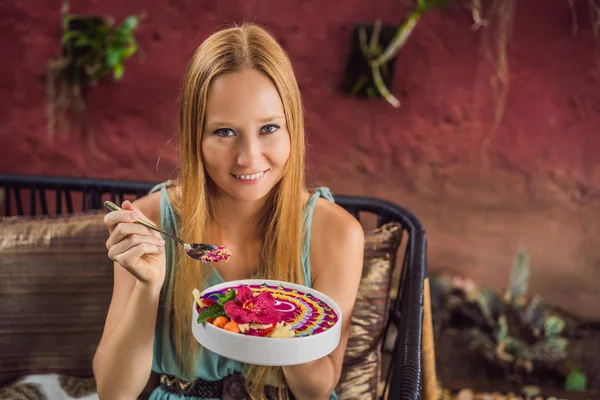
point(196, 294)
point(283, 331)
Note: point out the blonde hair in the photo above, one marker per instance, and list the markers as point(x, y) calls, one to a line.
point(234, 49)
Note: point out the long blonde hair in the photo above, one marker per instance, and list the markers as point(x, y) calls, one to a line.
point(234, 49)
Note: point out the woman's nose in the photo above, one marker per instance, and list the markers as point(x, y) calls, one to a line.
point(248, 152)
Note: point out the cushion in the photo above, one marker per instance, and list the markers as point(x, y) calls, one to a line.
point(55, 289)
point(361, 369)
point(50, 387)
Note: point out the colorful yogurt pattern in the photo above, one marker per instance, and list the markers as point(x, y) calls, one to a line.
point(306, 313)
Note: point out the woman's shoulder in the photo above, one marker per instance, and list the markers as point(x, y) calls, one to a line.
point(337, 242)
point(334, 232)
point(333, 223)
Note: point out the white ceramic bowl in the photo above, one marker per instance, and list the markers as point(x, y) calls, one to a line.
point(266, 350)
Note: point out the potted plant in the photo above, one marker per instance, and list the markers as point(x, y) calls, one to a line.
point(370, 65)
point(92, 48)
point(513, 338)
point(518, 333)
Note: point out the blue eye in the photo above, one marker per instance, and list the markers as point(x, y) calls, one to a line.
point(271, 128)
point(224, 132)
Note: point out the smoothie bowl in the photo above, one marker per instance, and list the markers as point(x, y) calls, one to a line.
point(266, 322)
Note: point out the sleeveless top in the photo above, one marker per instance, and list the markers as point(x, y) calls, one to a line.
point(209, 366)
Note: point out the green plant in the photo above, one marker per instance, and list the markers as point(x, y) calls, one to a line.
point(92, 48)
point(515, 332)
point(377, 57)
point(576, 381)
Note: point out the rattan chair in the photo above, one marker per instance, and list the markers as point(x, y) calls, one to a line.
point(411, 374)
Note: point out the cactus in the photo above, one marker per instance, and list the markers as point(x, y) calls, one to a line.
point(527, 334)
point(506, 327)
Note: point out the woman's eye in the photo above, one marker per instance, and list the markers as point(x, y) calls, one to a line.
point(270, 128)
point(224, 132)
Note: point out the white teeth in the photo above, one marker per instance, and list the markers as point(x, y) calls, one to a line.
point(250, 177)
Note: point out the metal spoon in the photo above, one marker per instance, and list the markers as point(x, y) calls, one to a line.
point(199, 251)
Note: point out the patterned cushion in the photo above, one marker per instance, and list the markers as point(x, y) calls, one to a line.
point(362, 362)
point(50, 387)
point(55, 288)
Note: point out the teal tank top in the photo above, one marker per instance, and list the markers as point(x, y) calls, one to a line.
point(210, 366)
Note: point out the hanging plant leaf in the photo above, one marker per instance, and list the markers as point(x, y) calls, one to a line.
point(70, 36)
point(118, 71)
point(129, 24)
point(112, 59)
point(129, 51)
point(370, 67)
point(426, 5)
point(358, 79)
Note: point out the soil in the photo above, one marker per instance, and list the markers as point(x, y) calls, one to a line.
point(459, 369)
point(506, 392)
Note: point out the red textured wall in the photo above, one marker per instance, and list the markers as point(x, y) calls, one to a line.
point(540, 187)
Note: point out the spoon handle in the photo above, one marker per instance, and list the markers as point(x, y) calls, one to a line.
point(113, 207)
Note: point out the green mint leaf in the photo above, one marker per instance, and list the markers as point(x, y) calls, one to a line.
point(231, 294)
point(226, 298)
point(214, 311)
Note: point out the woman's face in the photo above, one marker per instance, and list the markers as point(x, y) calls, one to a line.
point(245, 141)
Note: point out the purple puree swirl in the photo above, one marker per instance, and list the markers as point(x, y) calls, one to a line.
point(308, 314)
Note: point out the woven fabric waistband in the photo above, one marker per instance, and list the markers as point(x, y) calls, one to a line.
point(197, 388)
point(229, 388)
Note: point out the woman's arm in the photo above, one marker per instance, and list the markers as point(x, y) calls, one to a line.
point(123, 360)
point(337, 248)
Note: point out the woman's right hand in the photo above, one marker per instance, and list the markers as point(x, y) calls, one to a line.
point(136, 248)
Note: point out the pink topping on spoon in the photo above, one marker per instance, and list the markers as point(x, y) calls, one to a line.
point(219, 254)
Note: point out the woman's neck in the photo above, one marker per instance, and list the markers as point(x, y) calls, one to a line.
point(239, 219)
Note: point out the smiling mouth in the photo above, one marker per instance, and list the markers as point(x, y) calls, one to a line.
point(251, 177)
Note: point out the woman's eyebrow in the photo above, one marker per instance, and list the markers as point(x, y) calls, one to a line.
point(218, 121)
point(271, 118)
point(222, 122)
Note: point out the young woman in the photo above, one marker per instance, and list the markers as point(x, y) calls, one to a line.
point(241, 185)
